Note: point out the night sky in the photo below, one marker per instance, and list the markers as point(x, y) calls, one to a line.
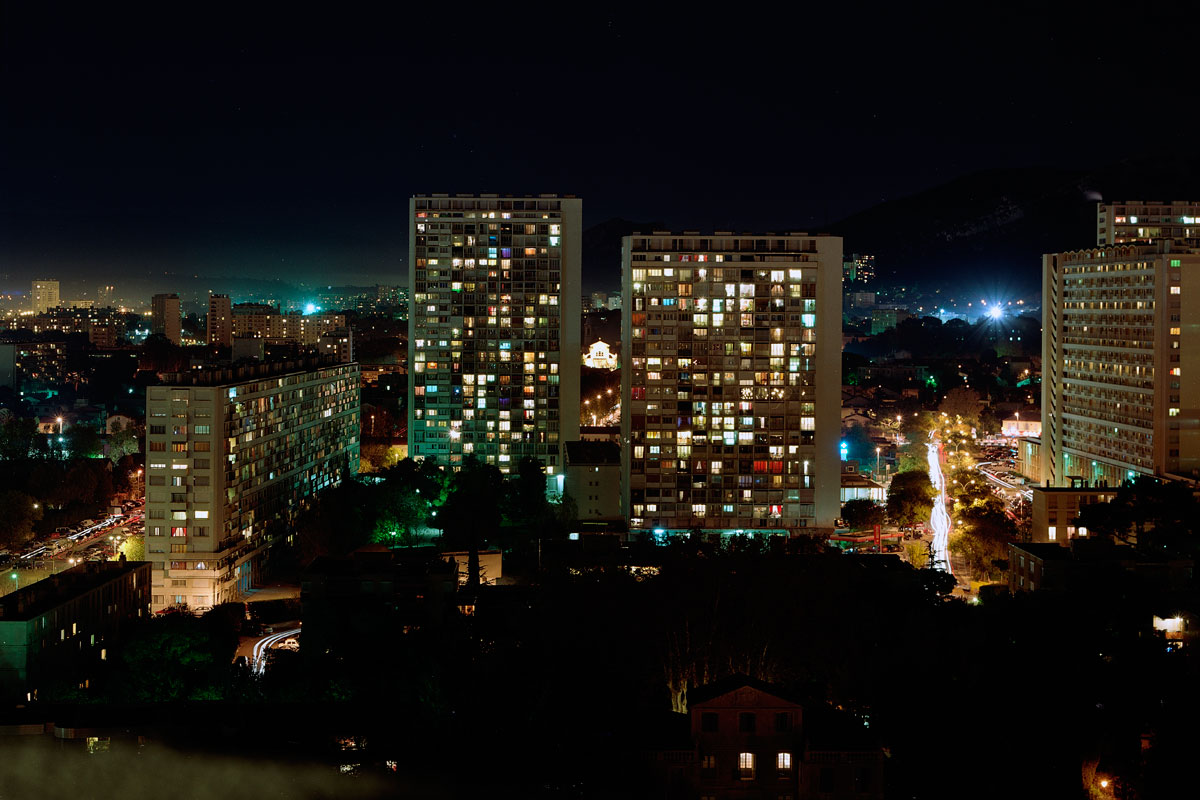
point(287, 145)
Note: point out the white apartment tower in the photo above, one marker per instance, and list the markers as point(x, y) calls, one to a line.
point(493, 347)
point(232, 455)
point(731, 382)
point(44, 295)
point(1120, 363)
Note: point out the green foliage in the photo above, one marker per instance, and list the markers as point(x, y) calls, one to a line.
point(910, 498)
point(174, 657)
point(961, 403)
point(122, 442)
point(982, 537)
point(860, 514)
point(134, 548)
point(1156, 515)
point(83, 442)
point(17, 437)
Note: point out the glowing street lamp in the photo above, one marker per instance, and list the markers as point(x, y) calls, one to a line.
point(59, 420)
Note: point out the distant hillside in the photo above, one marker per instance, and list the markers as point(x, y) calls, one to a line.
point(995, 225)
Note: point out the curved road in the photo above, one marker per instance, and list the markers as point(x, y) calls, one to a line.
point(939, 520)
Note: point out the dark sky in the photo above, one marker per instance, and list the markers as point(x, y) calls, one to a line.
point(286, 145)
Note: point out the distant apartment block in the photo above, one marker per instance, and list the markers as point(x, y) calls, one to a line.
point(103, 326)
point(731, 381)
point(494, 331)
point(44, 295)
point(262, 321)
point(1120, 364)
point(166, 317)
point(858, 269)
point(1137, 221)
point(232, 455)
point(220, 320)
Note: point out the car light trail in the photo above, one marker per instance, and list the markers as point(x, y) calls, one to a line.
point(939, 520)
point(259, 662)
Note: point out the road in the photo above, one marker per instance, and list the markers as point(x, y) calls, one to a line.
point(939, 520)
point(258, 655)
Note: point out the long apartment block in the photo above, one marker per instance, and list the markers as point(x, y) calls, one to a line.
point(232, 455)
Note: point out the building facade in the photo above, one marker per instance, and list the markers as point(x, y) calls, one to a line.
point(1120, 364)
point(1132, 221)
point(166, 317)
point(731, 381)
point(494, 331)
point(43, 295)
point(61, 628)
point(220, 320)
point(231, 456)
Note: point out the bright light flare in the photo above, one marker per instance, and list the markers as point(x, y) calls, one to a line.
point(996, 312)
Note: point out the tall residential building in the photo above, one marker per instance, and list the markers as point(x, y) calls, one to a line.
point(167, 317)
point(232, 455)
point(220, 320)
point(44, 295)
point(493, 347)
point(1120, 364)
point(731, 381)
point(1127, 222)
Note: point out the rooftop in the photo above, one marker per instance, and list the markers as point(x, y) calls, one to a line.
point(40, 597)
point(241, 373)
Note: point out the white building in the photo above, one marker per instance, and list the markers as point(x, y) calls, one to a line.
point(44, 295)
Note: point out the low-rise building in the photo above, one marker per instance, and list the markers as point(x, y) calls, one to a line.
point(60, 628)
point(593, 480)
point(1054, 510)
point(749, 739)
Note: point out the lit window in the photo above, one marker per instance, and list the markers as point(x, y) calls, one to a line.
point(783, 763)
point(201, 515)
point(746, 766)
point(1174, 290)
point(1052, 532)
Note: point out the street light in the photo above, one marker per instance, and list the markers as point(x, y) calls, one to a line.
point(60, 425)
point(877, 460)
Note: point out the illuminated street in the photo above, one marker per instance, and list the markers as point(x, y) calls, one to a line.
point(939, 520)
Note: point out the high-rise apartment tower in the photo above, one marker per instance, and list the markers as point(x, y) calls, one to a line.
point(494, 330)
point(1120, 363)
point(731, 381)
